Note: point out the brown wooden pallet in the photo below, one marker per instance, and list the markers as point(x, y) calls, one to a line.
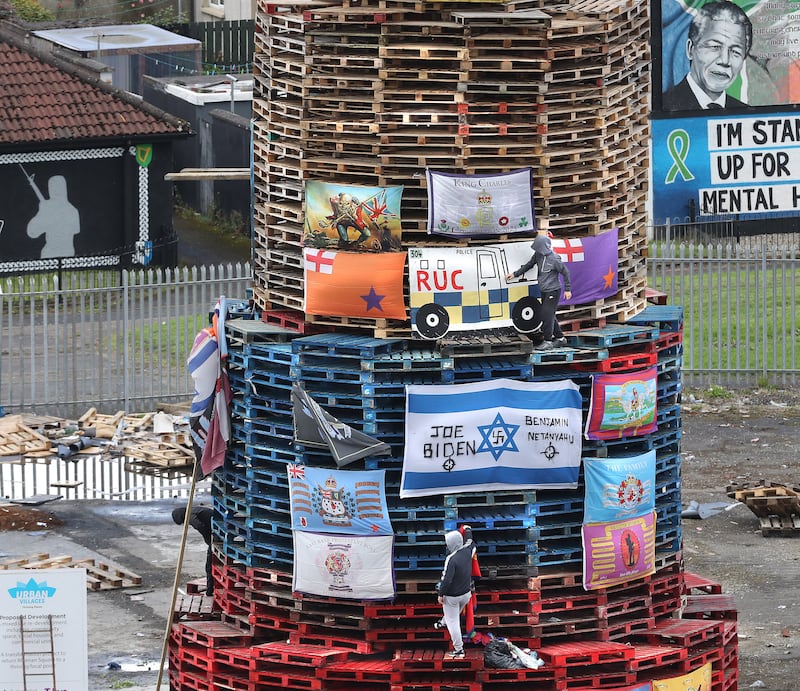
point(17, 439)
point(99, 575)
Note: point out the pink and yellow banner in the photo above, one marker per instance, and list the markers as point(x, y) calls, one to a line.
point(619, 551)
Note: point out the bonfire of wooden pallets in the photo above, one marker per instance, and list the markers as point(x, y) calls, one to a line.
point(373, 93)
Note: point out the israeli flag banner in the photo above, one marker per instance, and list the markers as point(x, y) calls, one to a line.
point(493, 435)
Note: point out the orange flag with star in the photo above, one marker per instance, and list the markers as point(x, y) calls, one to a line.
point(352, 284)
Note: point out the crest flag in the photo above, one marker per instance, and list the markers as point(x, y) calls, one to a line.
point(314, 426)
point(349, 502)
point(619, 488)
point(618, 552)
point(344, 566)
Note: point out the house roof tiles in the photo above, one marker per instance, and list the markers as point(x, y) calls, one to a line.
point(44, 99)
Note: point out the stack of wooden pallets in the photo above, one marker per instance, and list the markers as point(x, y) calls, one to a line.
point(370, 94)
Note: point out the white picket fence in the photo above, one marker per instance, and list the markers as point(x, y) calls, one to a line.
point(119, 340)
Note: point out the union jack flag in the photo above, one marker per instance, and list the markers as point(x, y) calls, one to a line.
point(297, 472)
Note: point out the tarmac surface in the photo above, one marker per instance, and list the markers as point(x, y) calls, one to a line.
point(723, 441)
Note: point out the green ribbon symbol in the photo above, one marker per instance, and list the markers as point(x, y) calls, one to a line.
point(678, 147)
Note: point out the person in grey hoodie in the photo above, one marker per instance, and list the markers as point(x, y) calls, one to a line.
point(455, 588)
point(550, 266)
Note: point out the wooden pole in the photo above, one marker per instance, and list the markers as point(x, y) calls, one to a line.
point(176, 582)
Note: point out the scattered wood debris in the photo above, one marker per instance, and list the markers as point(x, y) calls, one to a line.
point(159, 439)
point(777, 506)
point(13, 517)
point(99, 575)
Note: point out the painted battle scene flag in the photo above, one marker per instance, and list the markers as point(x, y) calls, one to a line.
point(593, 263)
point(618, 488)
point(350, 284)
point(351, 502)
point(618, 551)
point(493, 435)
point(622, 405)
point(344, 566)
point(355, 216)
point(314, 426)
point(474, 205)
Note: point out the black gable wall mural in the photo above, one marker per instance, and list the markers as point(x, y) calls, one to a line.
point(82, 169)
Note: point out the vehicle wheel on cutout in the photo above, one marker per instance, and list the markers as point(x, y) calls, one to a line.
point(527, 315)
point(432, 321)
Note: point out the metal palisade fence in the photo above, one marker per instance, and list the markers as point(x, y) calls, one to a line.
point(108, 340)
point(741, 312)
point(119, 340)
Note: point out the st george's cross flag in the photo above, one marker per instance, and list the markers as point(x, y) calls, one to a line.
point(494, 435)
point(593, 263)
point(352, 284)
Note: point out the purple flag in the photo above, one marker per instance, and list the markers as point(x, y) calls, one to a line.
point(592, 262)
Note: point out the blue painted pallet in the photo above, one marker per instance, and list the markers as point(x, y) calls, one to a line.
point(258, 380)
point(344, 345)
point(475, 371)
point(417, 538)
point(397, 363)
point(668, 390)
point(267, 531)
point(491, 522)
point(416, 513)
point(270, 454)
point(606, 336)
point(275, 479)
point(632, 445)
point(230, 506)
point(378, 379)
point(669, 365)
point(268, 506)
point(567, 354)
point(666, 317)
point(484, 499)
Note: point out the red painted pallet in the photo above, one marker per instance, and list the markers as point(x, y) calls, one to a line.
point(230, 681)
point(544, 678)
point(211, 634)
point(191, 682)
point(700, 656)
point(435, 660)
point(616, 629)
point(314, 656)
point(232, 658)
point(357, 646)
point(730, 632)
point(715, 606)
point(259, 578)
point(436, 685)
point(648, 657)
point(685, 632)
point(691, 581)
point(360, 671)
point(597, 680)
point(286, 680)
point(584, 653)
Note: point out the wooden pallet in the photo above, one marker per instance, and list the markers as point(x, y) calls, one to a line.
point(18, 439)
point(99, 575)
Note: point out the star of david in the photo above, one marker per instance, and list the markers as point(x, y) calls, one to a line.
point(498, 437)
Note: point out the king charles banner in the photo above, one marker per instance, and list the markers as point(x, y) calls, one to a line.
point(622, 405)
point(618, 488)
point(493, 435)
point(351, 284)
point(699, 680)
point(343, 566)
point(465, 288)
point(338, 501)
point(352, 216)
point(618, 551)
point(472, 205)
point(315, 427)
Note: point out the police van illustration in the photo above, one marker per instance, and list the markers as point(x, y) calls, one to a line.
point(465, 289)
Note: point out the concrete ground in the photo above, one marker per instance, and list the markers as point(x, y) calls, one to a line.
point(722, 441)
